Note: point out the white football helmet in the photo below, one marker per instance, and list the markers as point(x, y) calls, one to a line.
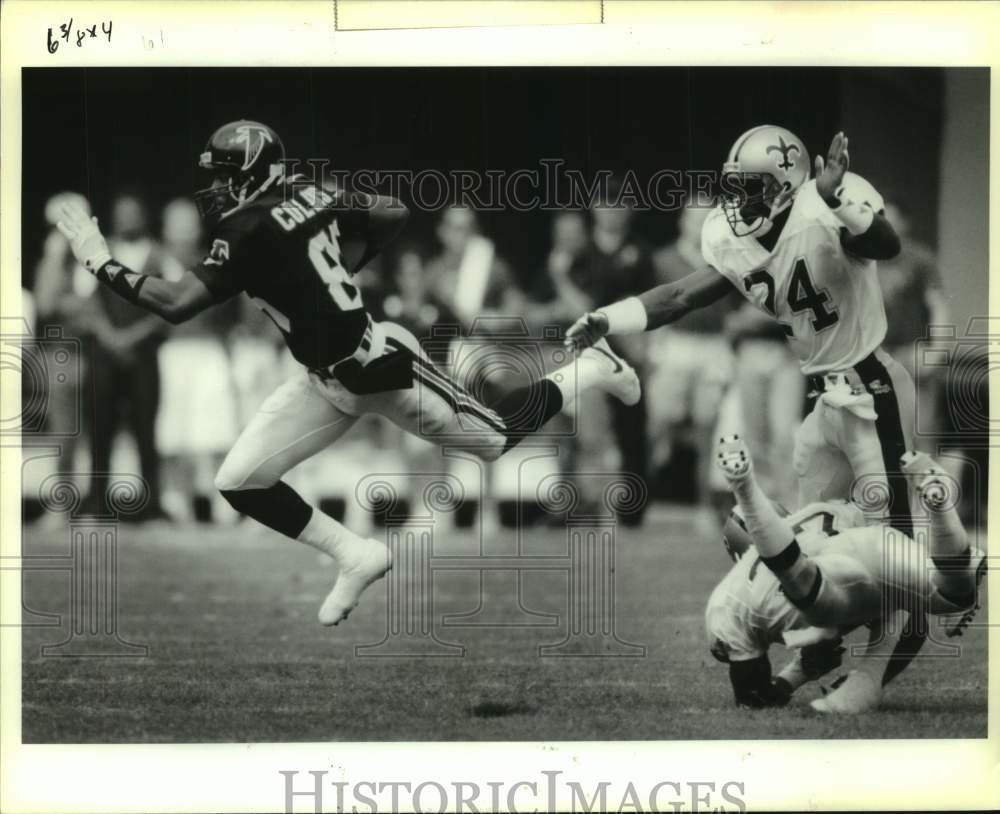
point(765, 167)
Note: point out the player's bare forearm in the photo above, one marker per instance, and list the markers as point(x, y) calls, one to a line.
point(651, 309)
point(174, 301)
point(878, 242)
point(668, 303)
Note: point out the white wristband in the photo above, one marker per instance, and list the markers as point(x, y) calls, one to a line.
point(856, 217)
point(627, 316)
point(94, 262)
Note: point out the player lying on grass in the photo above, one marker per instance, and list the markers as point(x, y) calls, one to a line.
point(278, 238)
point(811, 577)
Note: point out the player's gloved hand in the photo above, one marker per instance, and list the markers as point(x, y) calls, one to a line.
point(587, 330)
point(819, 659)
point(830, 174)
point(85, 238)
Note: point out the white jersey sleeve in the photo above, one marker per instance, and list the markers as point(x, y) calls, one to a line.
point(857, 189)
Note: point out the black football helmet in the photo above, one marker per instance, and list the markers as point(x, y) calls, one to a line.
point(244, 158)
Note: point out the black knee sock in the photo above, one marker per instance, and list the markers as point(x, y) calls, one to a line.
point(526, 409)
point(278, 507)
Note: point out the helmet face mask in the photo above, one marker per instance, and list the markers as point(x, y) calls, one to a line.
point(749, 201)
point(217, 198)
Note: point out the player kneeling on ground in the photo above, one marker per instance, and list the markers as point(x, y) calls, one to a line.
point(809, 578)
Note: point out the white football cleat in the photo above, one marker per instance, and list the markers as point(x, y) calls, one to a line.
point(931, 482)
point(361, 562)
point(857, 693)
point(620, 381)
point(734, 458)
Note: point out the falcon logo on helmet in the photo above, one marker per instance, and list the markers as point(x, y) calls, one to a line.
point(245, 158)
point(764, 169)
point(254, 137)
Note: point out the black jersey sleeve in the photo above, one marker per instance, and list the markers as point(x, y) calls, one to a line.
point(225, 269)
point(369, 222)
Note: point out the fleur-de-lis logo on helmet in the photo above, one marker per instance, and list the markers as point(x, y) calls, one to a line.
point(786, 150)
point(253, 138)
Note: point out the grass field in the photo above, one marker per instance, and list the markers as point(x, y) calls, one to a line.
point(235, 654)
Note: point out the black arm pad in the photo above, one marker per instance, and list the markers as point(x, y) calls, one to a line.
point(879, 242)
point(121, 279)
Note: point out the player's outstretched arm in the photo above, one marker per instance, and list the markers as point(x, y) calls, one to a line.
point(174, 301)
point(652, 309)
point(866, 233)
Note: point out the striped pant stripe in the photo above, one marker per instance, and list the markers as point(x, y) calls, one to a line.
point(458, 402)
point(457, 398)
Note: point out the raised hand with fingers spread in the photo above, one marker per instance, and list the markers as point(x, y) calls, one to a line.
point(84, 236)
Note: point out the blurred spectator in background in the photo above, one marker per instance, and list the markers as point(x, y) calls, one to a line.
point(766, 401)
point(198, 417)
point(411, 302)
point(62, 290)
point(690, 366)
point(914, 300)
point(125, 374)
point(614, 264)
point(476, 285)
point(467, 275)
point(557, 301)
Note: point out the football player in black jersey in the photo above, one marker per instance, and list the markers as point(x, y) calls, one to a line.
point(277, 238)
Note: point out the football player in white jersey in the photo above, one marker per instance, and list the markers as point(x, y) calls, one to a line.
point(808, 578)
point(803, 252)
